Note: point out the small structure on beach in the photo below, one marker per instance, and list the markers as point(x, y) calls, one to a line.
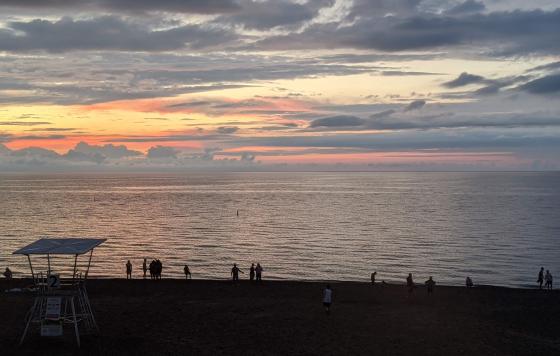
point(60, 301)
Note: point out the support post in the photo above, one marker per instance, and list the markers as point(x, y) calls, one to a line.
point(89, 264)
point(75, 268)
point(75, 321)
point(31, 267)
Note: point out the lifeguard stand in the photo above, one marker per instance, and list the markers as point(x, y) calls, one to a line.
point(60, 302)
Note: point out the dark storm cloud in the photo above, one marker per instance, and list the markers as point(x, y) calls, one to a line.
point(466, 7)
point(337, 121)
point(181, 6)
point(105, 33)
point(546, 85)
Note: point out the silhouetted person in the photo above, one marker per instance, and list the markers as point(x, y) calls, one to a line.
point(235, 273)
point(548, 280)
point(128, 270)
point(327, 299)
point(159, 269)
point(187, 272)
point(540, 278)
point(410, 284)
point(469, 282)
point(252, 272)
point(430, 284)
point(8, 274)
point(145, 267)
point(153, 269)
point(373, 278)
point(258, 272)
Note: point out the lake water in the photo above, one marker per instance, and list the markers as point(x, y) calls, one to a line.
point(499, 228)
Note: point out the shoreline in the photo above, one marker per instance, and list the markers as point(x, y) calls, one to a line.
point(303, 281)
point(217, 317)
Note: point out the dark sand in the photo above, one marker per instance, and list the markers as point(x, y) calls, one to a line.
point(287, 318)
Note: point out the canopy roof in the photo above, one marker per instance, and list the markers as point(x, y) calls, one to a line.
point(70, 246)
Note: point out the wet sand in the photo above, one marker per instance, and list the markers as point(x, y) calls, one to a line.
point(174, 317)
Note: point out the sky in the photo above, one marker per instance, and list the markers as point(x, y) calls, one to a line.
point(279, 85)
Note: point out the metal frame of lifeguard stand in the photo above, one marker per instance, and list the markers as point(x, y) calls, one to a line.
point(72, 293)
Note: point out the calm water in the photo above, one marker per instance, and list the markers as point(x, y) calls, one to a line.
point(497, 227)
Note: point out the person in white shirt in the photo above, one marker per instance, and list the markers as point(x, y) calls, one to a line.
point(327, 299)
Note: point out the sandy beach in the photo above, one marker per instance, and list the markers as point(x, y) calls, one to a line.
point(285, 318)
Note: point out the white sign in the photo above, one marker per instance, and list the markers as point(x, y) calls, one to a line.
point(53, 308)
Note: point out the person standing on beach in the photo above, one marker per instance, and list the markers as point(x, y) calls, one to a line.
point(327, 299)
point(548, 280)
point(258, 271)
point(153, 269)
point(469, 282)
point(252, 272)
point(540, 278)
point(145, 267)
point(235, 273)
point(373, 278)
point(159, 269)
point(187, 272)
point(128, 270)
point(410, 284)
point(430, 284)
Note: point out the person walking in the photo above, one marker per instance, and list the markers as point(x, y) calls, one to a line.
point(540, 278)
point(145, 267)
point(430, 284)
point(128, 270)
point(548, 280)
point(469, 282)
point(373, 278)
point(258, 272)
point(187, 272)
point(327, 299)
point(252, 272)
point(235, 273)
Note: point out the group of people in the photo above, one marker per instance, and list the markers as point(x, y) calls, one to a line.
point(546, 278)
point(255, 272)
point(155, 268)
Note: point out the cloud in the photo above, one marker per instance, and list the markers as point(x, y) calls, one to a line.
point(337, 121)
point(108, 150)
point(24, 123)
point(263, 15)
point(509, 33)
point(546, 85)
point(415, 105)
point(227, 129)
point(469, 6)
point(105, 33)
point(180, 6)
point(162, 152)
point(465, 79)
